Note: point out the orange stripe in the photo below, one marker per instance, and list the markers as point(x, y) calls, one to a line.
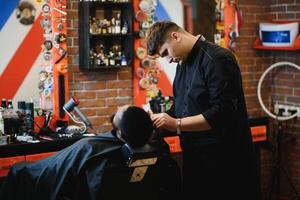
point(21, 63)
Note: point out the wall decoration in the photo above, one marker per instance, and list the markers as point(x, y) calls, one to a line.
point(152, 77)
point(229, 20)
point(26, 13)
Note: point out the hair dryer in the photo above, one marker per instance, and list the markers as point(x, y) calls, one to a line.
point(72, 105)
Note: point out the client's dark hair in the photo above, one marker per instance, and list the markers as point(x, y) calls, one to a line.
point(136, 126)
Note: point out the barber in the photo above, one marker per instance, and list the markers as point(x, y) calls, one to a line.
point(209, 114)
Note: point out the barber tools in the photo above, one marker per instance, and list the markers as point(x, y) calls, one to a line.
point(21, 114)
point(19, 124)
point(70, 106)
point(160, 103)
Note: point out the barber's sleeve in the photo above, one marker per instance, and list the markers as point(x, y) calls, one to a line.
point(223, 81)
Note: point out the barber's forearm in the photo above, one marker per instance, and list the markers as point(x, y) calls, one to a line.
point(194, 123)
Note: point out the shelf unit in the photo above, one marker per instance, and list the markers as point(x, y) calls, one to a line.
point(89, 41)
point(257, 45)
point(110, 35)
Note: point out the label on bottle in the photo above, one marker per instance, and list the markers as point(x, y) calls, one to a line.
point(112, 62)
point(123, 62)
point(118, 29)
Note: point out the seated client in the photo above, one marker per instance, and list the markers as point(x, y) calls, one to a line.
point(77, 171)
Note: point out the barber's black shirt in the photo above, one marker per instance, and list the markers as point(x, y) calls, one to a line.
point(209, 83)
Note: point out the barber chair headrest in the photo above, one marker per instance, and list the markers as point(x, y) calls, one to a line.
point(146, 155)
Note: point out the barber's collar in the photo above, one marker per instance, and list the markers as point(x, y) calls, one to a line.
point(195, 50)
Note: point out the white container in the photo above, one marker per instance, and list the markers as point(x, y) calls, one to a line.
point(278, 35)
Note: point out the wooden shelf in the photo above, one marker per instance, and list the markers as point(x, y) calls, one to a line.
point(111, 3)
point(88, 41)
point(116, 67)
point(258, 45)
point(110, 35)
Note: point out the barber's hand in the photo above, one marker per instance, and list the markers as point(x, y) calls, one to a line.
point(164, 121)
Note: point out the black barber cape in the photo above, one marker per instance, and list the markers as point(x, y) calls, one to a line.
point(45, 179)
point(76, 170)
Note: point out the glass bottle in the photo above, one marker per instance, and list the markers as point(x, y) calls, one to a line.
point(98, 60)
point(92, 61)
point(123, 60)
point(124, 28)
point(4, 104)
point(112, 61)
point(106, 60)
point(109, 27)
point(118, 58)
point(118, 24)
point(10, 106)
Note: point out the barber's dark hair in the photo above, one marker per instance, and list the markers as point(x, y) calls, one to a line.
point(136, 126)
point(157, 34)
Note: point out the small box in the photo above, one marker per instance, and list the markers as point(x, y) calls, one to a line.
point(278, 35)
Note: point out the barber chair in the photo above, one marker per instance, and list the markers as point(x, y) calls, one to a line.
point(147, 173)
